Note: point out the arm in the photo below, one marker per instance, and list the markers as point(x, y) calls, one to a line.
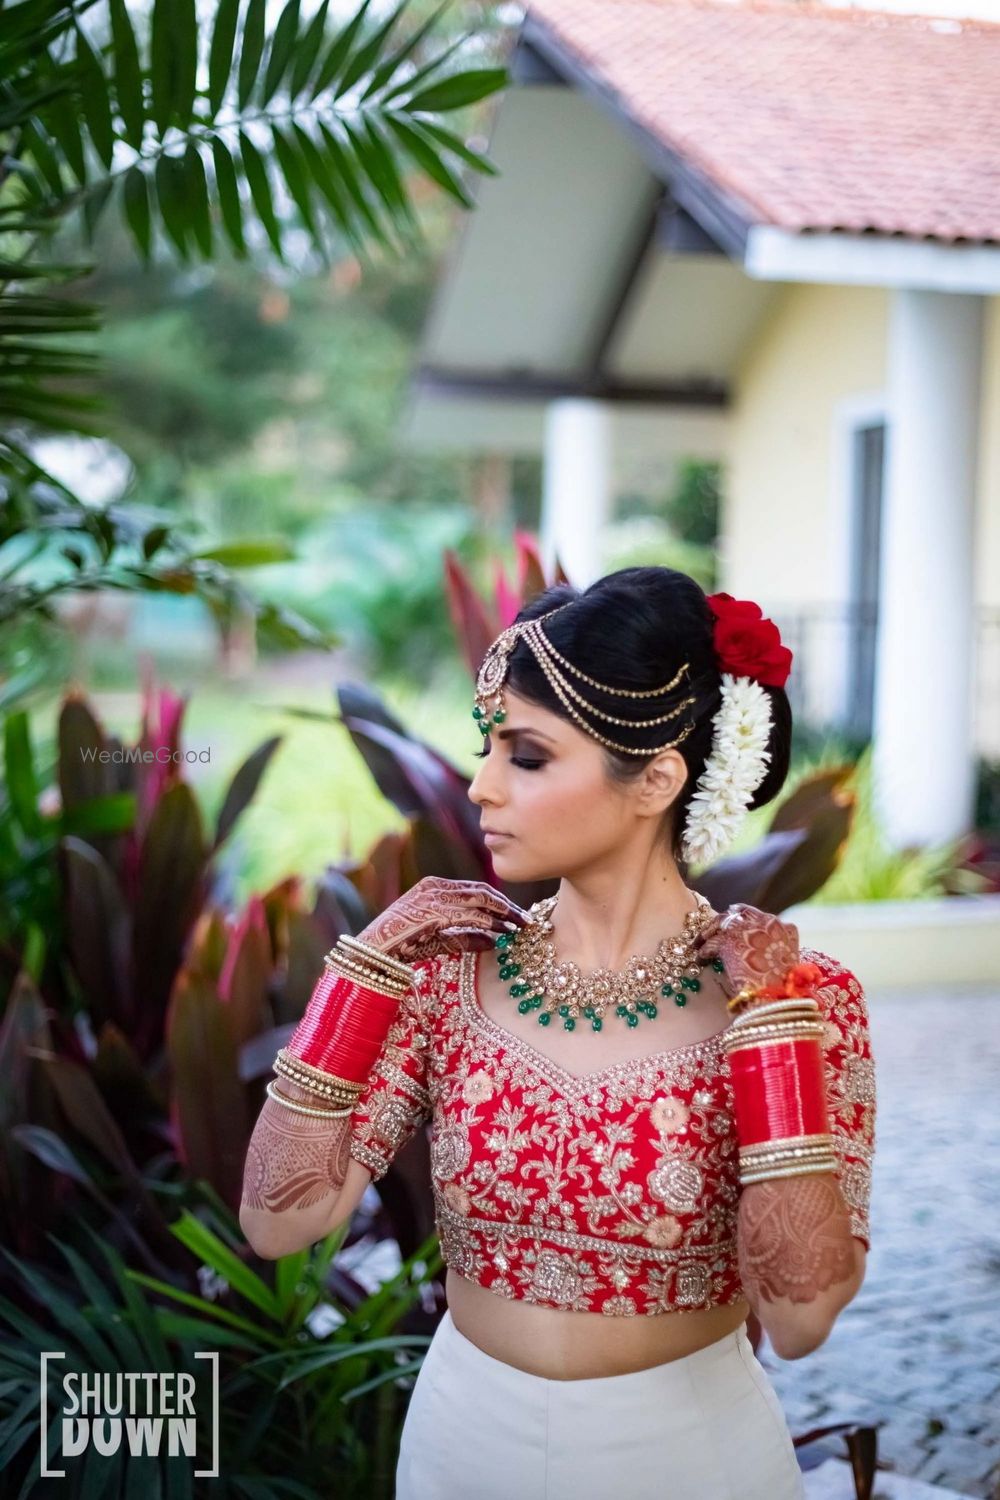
point(299, 1181)
point(305, 1175)
point(799, 1262)
point(802, 1239)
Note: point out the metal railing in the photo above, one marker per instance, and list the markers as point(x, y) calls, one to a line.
point(833, 678)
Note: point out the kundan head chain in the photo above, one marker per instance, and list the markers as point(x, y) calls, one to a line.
point(750, 656)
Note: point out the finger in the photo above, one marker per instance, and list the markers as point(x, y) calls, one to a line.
point(485, 935)
point(489, 899)
point(467, 939)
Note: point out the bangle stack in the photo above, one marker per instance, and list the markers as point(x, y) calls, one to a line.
point(333, 1048)
point(779, 1091)
point(305, 1109)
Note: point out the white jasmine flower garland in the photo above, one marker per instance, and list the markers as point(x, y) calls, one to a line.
point(734, 770)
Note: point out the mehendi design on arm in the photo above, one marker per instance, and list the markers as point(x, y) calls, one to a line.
point(294, 1161)
point(794, 1238)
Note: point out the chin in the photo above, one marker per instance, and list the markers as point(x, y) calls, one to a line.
point(519, 870)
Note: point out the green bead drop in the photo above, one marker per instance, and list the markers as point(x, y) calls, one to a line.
point(680, 1000)
point(519, 989)
point(596, 1024)
point(569, 1023)
point(505, 939)
point(691, 984)
point(524, 1006)
point(718, 965)
point(667, 989)
point(651, 1012)
point(477, 712)
point(633, 1020)
point(544, 1018)
point(510, 971)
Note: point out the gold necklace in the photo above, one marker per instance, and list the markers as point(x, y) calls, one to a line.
point(528, 959)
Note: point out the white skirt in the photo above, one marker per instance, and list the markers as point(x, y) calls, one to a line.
point(705, 1427)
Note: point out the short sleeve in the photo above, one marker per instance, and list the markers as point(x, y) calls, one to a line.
point(395, 1101)
point(850, 1084)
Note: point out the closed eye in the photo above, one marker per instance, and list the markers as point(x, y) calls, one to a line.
point(516, 760)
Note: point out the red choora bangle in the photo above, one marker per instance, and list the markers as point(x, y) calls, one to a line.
point(352, 1007)
point(774, 1048)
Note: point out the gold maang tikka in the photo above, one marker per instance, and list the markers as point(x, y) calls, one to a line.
point(490, 709)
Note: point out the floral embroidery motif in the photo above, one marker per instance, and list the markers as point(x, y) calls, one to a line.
point(615, 1192)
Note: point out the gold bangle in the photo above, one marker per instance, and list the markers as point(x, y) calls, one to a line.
point(803, 1169)
point(315, 1081)
point(783, 1158)
point(793, 1008)
point(770, 1037)
point(346, 967)
point(788, 1143)
point(377, 957)
point(303, 1109)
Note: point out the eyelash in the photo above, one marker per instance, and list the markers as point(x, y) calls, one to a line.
point(515, 760)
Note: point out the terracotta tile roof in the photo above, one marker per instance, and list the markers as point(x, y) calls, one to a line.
point(807, 117)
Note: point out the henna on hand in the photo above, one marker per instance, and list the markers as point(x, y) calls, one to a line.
point(794, 1238)
point(756, 947)
point(438, 915)
point(294, 1161)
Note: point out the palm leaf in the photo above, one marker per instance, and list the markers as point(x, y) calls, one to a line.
point(282, 48)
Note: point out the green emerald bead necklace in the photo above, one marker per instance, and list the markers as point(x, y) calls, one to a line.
point(527, 961)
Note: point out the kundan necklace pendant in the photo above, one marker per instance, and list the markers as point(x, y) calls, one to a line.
point(527, 959)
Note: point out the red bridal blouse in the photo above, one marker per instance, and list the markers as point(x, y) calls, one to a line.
point(615, 1192)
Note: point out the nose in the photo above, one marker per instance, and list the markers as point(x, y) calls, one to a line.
point(478, 792)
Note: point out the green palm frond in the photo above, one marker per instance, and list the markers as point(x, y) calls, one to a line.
point(213, 125)
point(203, 130)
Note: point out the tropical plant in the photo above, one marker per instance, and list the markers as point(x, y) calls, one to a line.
point(205, 130)
point(202, 131)
point(311, 1390)
point(52, 545)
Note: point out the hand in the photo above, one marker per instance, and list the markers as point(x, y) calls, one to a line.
point(443, 916)
point(756, 948)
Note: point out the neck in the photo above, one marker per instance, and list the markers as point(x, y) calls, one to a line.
point(602, 917)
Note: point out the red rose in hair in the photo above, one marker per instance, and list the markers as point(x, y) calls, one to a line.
point(746, 644)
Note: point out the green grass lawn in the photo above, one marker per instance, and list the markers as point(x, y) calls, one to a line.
point(317, 802)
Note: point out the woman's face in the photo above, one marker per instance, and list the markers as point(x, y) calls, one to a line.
point(544, 786)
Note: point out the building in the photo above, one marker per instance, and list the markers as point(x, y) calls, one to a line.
point(767, 234)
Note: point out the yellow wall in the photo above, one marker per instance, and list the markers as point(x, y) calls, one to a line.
point(784, 530)
point(786, 526)
point(782, 535)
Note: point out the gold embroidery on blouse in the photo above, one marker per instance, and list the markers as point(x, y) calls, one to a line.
point(557, 1188)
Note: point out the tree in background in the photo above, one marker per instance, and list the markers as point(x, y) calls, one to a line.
point(201, 131)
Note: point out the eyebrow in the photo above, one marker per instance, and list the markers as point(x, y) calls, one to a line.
point(514, 731)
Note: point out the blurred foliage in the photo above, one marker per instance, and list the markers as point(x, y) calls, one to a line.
point(312, 1384)
point(372, 575)
point(676, 530)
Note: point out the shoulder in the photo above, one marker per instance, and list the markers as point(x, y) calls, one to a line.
point(846, 1036)
point(840, 988)
point(434, 978)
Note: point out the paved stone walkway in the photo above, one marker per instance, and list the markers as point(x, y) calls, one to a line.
point(919, 1348)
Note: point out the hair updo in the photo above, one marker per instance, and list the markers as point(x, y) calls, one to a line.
point(634, 629)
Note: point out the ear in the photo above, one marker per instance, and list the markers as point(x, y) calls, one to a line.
point(662, 782)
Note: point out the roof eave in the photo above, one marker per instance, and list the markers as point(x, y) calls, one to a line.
point(723, 217)
point(845, 259)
